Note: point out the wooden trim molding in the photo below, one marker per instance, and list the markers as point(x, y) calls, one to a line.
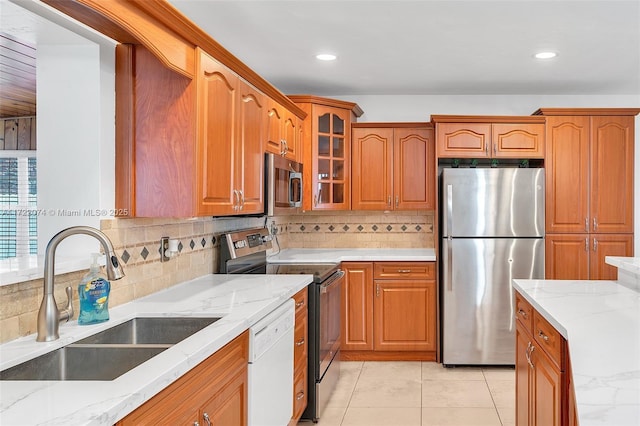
point(334, 103)
point(486, 119)
point(404, 125)
point(125, 128)
point(587, 111)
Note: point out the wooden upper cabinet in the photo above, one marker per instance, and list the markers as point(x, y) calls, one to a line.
point(517, 140)
point(612, 160)
point(229, 143)
point(372, 168)
point(283, 132)
point(489, 137)
point(414, 164)
point(589, 174)
point(462, 140)
point(392, 167)
point(216, 137)
point(326, 147)
point(567, 175)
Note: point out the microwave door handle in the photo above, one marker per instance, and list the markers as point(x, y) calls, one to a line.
point(295, 181)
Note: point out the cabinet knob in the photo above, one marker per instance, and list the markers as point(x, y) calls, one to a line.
point(299, 396)
point(300, 303)
point(300, 342)
point(522, 313)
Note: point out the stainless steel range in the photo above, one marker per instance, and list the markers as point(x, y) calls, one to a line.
point(244, 252)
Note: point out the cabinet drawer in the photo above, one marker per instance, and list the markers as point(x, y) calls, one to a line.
point(524, 312)
point(409, 270)
point(547, 337)
point(300, 344)
point(301, 300)
point(299, 394)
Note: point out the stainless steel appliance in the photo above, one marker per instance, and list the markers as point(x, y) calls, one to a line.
point(492, 232)
point(245, 252)
point(283, 185)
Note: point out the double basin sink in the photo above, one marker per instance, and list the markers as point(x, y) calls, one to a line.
point(110, 353)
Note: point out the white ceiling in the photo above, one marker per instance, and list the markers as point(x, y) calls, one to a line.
point(431, 47)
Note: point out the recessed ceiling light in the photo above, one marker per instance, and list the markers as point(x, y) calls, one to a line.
point(326, 57)
point(545, 55)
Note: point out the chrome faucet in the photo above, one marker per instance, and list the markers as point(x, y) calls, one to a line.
point(49, 316)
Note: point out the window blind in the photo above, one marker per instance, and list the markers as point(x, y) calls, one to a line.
point(18, 202)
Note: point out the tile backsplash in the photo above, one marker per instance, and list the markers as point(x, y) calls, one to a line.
point(137, 244)
point(356, 229)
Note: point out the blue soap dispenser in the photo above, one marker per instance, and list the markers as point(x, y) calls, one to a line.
point(93, 293)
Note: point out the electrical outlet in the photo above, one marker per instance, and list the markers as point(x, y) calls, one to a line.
point(164, 246)
point(274, 228)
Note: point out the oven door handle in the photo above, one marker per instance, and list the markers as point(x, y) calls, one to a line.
point(324, 287)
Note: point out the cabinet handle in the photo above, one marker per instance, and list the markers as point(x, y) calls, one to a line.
point(377, 290)
point(196, 424)
point(586, 224)
point(241, 199)
point(236, 200)
point(300, 303)
point(286, 147)
point(319, 196)
point(522, 313)
point(397, 201)
point(300, 342)
point(486, 149)
point(299, 396)
point(495, 149)
point(528, 353)
point(595, 245)
point(206, 419)
point(595, 224)
point(404, 271)
point(586, 244)
point(283, 150)
point(544, 336)
point(389, 201)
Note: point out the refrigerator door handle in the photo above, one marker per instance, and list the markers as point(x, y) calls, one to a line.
point(450, 264)
point(449, 210)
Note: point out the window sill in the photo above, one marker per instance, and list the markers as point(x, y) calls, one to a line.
point(27, 268)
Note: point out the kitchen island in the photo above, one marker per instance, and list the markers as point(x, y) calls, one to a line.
point(240, 301)
point(601, 322)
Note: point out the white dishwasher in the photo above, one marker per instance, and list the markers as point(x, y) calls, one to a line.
point(271, 368)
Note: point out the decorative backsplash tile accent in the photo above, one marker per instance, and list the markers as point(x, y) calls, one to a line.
point(137, 243)
point(407, 229)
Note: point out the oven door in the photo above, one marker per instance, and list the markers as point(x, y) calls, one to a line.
point(329, 307)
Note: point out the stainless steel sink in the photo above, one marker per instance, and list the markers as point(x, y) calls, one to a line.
point(82, 363)
point(110, 353)
point(157, 330)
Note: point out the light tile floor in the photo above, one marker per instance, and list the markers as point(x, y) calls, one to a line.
point(413, 393)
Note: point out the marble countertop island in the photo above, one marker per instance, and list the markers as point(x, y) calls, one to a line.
point(241, 300)
point(601, 322)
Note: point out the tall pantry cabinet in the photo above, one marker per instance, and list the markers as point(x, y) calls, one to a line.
point(589, 203)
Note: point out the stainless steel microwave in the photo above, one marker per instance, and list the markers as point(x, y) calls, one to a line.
point(283, 183)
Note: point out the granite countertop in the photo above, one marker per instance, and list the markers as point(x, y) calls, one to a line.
point(601, 322)
point(241, 300)
point(353, 255)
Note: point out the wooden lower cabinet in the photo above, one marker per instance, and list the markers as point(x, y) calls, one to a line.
point(582, 256)
point(389, 311)
point(300, 355)
point(214, 392)
point(543, 384)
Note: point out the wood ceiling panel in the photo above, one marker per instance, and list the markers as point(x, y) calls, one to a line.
point(17, 77)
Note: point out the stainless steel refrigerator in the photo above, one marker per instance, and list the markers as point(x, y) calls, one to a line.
point(492, 232)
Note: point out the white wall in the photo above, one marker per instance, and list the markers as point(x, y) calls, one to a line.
point(76, 160)
point(421, 107)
